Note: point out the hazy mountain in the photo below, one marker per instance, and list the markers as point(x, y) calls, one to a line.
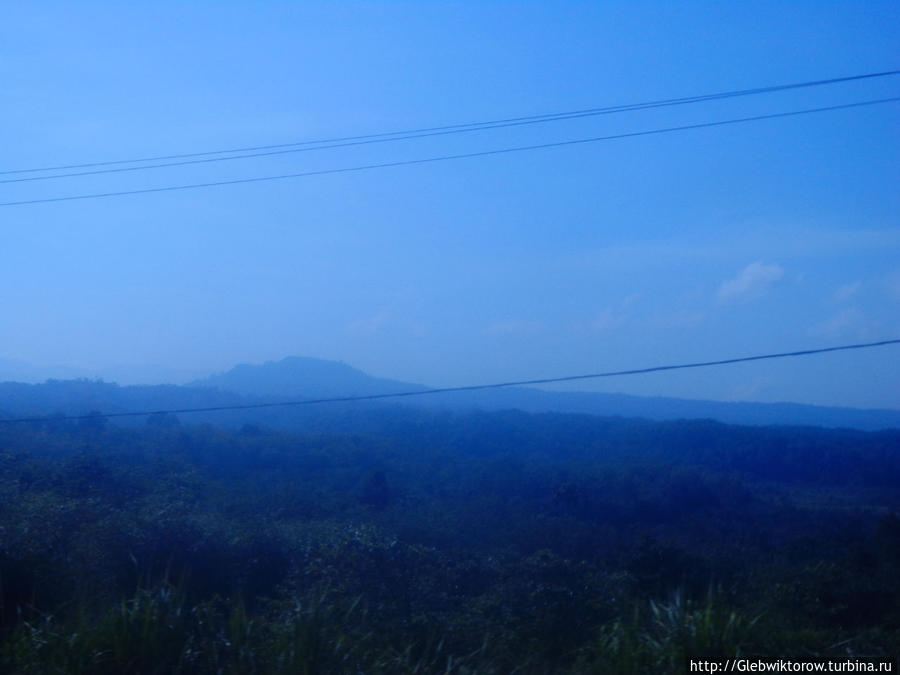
point(83, 396)
point(316, 378)
point(663, 408)
point(301, 376)
point(148, 374)
point(14, 370)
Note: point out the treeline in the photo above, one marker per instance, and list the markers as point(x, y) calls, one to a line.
point(383, 539)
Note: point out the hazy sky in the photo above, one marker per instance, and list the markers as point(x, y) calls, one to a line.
point(770, 236)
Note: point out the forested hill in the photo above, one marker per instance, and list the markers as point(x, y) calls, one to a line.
point(301, 378)
point(297, 376)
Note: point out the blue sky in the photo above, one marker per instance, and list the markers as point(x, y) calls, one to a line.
point(770, 236)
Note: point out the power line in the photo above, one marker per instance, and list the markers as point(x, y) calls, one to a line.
point(443, 158)
point(472, 387)
point(384, 137)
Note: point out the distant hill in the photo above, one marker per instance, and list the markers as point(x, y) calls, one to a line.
point(298, 378)
point(82, 396)
point(316, 378)
point(301, 376)
point(14, 370)
point(663, 408)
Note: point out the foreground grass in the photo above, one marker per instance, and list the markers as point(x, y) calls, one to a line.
point(158, 632)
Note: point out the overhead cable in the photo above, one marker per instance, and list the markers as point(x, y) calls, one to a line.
point(473, 387)
point(390, 136)
point(444, 158)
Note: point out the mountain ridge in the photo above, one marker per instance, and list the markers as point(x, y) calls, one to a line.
point(307, 377)
point(302, 376)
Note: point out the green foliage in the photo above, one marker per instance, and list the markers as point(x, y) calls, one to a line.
point(683, 630)
point(485, 544)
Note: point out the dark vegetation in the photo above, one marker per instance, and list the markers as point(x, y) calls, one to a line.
point(391, 540)
point(303, 378)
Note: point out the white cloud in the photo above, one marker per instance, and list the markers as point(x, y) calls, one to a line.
point(846, 292)
point(848, 321)
point(606, 321)
point(750, 282)
point(678, 319)
point(838, 323)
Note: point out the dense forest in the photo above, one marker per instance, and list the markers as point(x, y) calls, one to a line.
point(386, 539)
